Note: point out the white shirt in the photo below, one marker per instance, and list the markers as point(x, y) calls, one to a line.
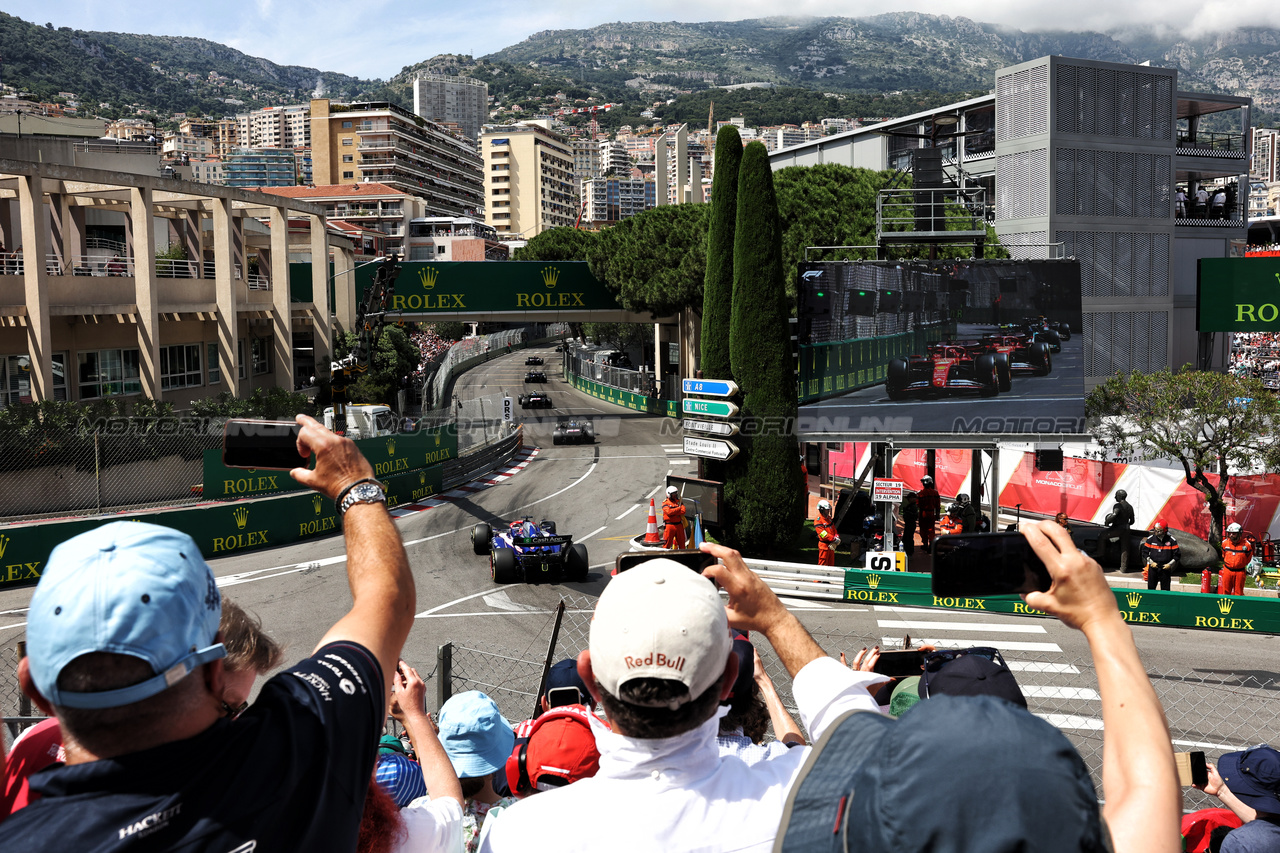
point(679, 793)
point(434, 826)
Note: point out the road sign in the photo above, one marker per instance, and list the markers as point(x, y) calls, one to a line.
point(887, 491)
point(710, 448)
point(885, 561)
point(710, 387)
point(709, 408)
point(506, 409)
point(713, 427)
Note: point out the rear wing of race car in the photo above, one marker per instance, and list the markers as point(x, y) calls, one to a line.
point(541, 540)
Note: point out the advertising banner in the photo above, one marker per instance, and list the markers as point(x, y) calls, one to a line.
point(1011, 362)
point(1238, 294)
point(460, 287)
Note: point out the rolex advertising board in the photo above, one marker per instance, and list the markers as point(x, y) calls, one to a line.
point(1238, 294)
point(953, 347)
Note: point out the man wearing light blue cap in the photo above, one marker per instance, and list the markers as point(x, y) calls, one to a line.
point(123, 647)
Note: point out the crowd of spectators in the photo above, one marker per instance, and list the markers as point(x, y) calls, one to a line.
point(1256, 354)
point(653, 738)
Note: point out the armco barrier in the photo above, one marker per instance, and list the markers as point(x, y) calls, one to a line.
point(626, 399)
point(225, 528)
point(838, 367)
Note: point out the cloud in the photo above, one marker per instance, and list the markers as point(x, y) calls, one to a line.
point(381, 37)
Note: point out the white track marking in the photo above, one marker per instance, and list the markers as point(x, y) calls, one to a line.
point(963, 626)
point(594, 532)
point(628, 512)
point(1061, 693)
point(956, 643)
point(1040, 666)
point(1073, 721)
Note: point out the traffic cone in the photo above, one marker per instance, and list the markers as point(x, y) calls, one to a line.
point(651, 536)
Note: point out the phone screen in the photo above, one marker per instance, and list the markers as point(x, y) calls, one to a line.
point(696, 560)
point(261, 444)
point(1192, 769)
point(900, 664)
point(560, 696)
point(977, 564)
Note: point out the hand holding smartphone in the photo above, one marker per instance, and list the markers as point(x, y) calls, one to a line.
point(981, 564)
point(271, 445)
point(692, 558)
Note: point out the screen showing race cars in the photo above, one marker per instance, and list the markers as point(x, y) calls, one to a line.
point(944, 347)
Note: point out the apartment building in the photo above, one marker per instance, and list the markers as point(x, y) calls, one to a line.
point(613, 157)
point(256, 168)
point(530, 179)
point(131, 130)
point(275, 127)
point(610, 199)
point(369, 206)
point(1264, 164)
point(461, 101)
point(385, 144)
point(177, 146)
point(454, 238)
point(586, 160)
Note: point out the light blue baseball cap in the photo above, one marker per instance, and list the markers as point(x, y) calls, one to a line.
point(126, 588)
point(475, 735)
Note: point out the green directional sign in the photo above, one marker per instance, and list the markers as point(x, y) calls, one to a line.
point(709, 408)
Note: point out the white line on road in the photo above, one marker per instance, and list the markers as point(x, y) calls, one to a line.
point(1040, 666)
point(628, 512)
point(594, 532)
point(1061, 693)
point(963, 626)
point(455, 601)
point(1073, 721)
point(14, 625)
point(1225, 747)
point(967, 642)
point(655, 490)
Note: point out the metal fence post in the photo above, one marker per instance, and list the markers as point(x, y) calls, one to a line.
point(97, 469)
point(444, 674)
point(24, 701)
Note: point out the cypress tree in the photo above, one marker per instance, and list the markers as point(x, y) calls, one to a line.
point(717, 290)
point(763, 484)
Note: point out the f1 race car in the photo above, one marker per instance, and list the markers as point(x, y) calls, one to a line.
point(574, 432)
point(535, 376)
point(535, 400)
point(947, 368)
point(527, 552)
point(1024, 354)
point(533, 359)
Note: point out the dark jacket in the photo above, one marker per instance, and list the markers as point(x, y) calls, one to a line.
point(1122, 516)
point(1160, 550)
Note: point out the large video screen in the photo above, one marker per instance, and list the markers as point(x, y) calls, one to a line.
point(948, 347)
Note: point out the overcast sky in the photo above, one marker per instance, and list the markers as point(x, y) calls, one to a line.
point(382, 37)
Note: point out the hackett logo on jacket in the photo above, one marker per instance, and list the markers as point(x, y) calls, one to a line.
point(658, 659)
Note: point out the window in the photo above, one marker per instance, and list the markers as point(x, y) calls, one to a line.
point(260, 349)
point(105, 373)
point(348, 174)
point(180, 367)
point(346, 125)
point(348, 158)
point(346, 140)
point(15, 378)
point(440, 250)
point(215, 370)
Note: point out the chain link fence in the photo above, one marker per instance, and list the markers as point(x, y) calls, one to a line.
point(1213, 713)
point(622, 378)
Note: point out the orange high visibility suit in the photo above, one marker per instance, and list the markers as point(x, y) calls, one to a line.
point(826, 530)
point(1235, 556)
point(951, 524)
point(673, 518)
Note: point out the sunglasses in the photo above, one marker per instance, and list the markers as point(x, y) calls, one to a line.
point(934, 661)
point(234, 712)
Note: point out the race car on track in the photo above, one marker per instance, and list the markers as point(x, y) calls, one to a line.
point(574, 432)
point(535, 400)
point(947, 367)
point(1024, 354)
point(528, 552)
point(533, 359)
point(535, 376)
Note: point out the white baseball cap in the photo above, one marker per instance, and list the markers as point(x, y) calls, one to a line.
point(671, 490)
point(660, 620)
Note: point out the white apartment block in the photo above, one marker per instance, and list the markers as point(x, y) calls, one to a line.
point(275, 127)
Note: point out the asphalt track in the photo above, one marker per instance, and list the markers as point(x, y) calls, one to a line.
point(1053, 403)
point(599, 494)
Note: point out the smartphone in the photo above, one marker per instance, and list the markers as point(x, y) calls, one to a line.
point(696, 560)
point(262, 444)
point(978, 564)
point(1192, 769)
point(900, 664)
point(559, 696)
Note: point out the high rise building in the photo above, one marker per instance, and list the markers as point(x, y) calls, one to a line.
point(383, 143)
point(611, 199)
point(586, 160)
point(1265, 161)
point(452, 100)
point(255, 168)
point(275, 127)
point(529, 186)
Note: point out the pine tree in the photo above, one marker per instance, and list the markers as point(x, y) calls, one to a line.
point(763, 487)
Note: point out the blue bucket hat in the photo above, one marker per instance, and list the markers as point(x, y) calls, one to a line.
point(1253, 775)
point(125, 588)
point(475, 735)
point(870, 784)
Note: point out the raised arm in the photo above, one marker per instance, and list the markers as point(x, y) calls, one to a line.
point(408, 697)
point(1139, 777)
point(382, 592)
point(785, 728)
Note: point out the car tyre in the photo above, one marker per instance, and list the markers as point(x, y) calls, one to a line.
point(504, 567)
point(1042, 358)
point(986, 372)
point(898, 378)
point(1004, 370)
point(577, 565)
point(481, 538)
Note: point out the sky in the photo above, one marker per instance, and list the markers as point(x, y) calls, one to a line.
point(382, 37)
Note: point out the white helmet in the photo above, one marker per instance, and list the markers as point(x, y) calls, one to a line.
point(672, 490)
point(1234, 528)
point(962, 499)
point(926, 480)
point(824, 505)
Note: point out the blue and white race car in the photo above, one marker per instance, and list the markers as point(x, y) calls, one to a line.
point(528, 552)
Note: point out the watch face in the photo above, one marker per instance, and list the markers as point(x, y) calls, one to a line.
point(367, 492)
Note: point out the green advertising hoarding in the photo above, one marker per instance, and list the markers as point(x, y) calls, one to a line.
point(626, 399)
point(1238, 295)
point(391, 454)
point(512, 286)
point(218, 530)
point(1138, 606)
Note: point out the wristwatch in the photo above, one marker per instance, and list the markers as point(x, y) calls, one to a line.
point(361, 492)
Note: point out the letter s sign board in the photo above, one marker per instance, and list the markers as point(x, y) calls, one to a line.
point(506, 408)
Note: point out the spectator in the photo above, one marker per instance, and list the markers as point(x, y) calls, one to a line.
point(250, 653)
point(478, 742)
point(1253, 795)
point(124, 648)
point(564, 687)
point(979, 671)
point(1062, 521)
point(1013, 781)
point(660, 660)
point(559, 750)
point(753, 705)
